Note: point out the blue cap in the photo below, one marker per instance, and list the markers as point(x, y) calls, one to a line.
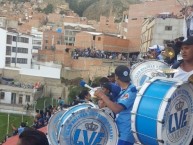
point(122, 72)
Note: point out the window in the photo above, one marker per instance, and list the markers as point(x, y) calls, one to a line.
point(9, 39)
point(13, 49)
point(8, 50)
point(2, 95)
point(168, 28)
point(27, 98)
point(38, 42)
point(22, 60)
point(12, 60)
point(46, 41)
point(99, 38)
point(22, 50)
point(23, 40)
point(14, 38)
point(7, 60)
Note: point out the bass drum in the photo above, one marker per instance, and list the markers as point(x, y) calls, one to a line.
point(162, 113)
point(88, 126)
point(52, 126)
point(143, 71)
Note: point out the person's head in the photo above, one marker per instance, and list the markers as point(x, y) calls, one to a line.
point(103, 80)
point(111, 77)
point(23, 124)
point(84, 95)
point(106, 88)
point(155, 50)
point(32, 137)
point(122, 74)
point(187, 49)
point(59, 98)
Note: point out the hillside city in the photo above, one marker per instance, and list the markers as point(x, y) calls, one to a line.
point(46, 50)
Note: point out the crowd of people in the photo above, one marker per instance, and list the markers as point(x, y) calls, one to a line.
point(98, 54)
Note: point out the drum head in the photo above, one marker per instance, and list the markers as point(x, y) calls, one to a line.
point(163, 112)
point(89, 126)
point(69, 113)
point(52, 129)
point(178, 118)
point(143, 71)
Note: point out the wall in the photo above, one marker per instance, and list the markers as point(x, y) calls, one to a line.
point(3, 35)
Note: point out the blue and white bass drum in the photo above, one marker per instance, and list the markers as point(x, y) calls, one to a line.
point(162, 113)
point(87, 126)
point(52, 126)
point(146, 70)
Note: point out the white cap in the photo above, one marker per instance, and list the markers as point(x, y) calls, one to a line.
point(161, 48)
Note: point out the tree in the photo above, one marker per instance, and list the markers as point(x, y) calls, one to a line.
point(48, 9)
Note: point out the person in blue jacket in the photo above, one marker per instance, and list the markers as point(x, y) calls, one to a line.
point(122, 108)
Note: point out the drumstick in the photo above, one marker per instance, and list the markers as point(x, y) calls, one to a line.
point(83, 84)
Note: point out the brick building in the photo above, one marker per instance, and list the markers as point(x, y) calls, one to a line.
point(101, 41)
point(52, 38)
point(137, 13)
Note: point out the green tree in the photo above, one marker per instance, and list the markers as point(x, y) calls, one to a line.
point(48, 9)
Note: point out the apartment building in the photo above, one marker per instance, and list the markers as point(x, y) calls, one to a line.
point(36, 40)
point(159, 31)
point(16, 49)
point(71, 29)
point(137, 13)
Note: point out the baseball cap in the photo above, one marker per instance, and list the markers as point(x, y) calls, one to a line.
point(111, 75)
point(188, 41)
point(122, 72)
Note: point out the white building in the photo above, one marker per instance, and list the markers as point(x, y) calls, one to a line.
point(159, 31)
point(16, 49)
point(36, 40)
point(15, 95)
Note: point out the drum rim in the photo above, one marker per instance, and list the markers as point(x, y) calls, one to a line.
point(48, 126)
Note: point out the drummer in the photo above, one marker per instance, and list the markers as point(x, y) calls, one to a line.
point(185, 69)
point(122, 108)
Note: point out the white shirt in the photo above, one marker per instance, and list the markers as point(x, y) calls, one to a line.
point(182, 75)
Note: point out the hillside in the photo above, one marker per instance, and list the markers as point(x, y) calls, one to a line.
point(92, 9)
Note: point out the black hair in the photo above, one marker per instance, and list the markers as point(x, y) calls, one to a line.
point(83, 94)
point(33, 137)
point(107, 86)
point(23, 124)
point(103, 80)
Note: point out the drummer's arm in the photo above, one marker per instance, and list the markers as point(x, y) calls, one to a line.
point(116, 108)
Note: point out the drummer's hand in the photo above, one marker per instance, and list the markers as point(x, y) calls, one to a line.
point(99, 93)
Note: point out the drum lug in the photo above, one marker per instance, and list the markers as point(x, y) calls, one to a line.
point(161, 121)
point(160, 140)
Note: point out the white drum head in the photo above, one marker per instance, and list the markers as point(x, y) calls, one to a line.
point(178, 118)
point(89, 126)
point(143, 71)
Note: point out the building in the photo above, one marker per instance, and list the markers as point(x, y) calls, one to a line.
point(101, 41)
point(108, 25)
point(137, 13)
point(16, 49)
point(51, 39)
point(15, 95)
point(8, 23)
point(71, 29)
point(159, 31)
point(36, 40)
